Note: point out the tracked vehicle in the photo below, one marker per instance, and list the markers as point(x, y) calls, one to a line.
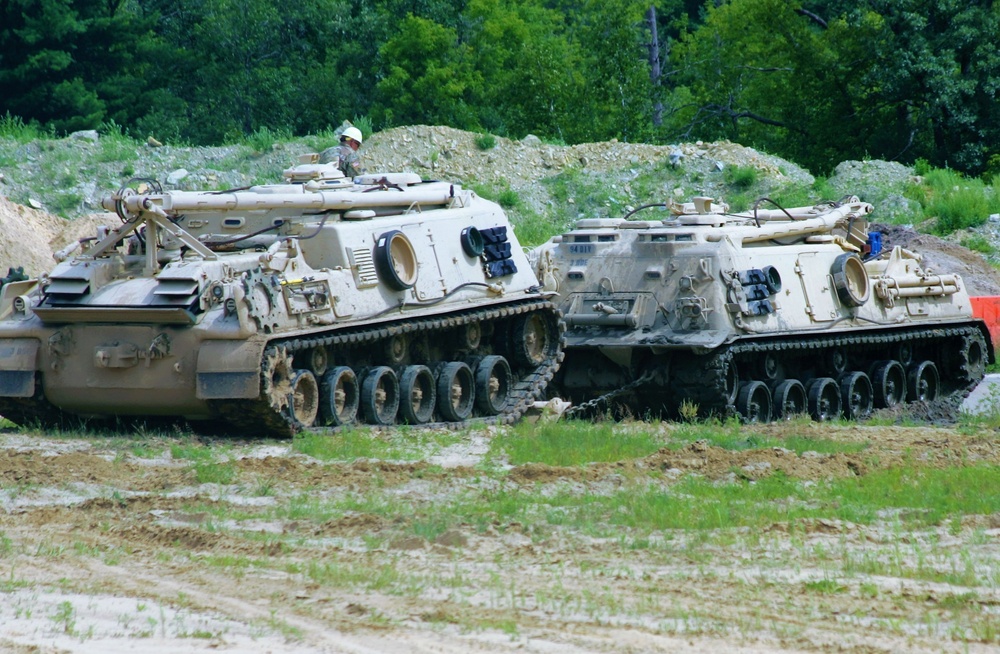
point(766, 313)
point(321, 301)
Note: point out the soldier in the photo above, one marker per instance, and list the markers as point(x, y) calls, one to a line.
point(345, 154)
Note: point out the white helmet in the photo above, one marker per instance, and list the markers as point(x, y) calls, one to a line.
point(352, 133)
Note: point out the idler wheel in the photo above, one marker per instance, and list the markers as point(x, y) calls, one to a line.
point(856, 394)
point(888, 384)
point(340, 396)
point(418, 394)
point(823, 397)
point(455, 391)
point(923, 382)
point(380, 396)
point(493, 384)
point(305, 398)
point(788, 399)
point(753, 402)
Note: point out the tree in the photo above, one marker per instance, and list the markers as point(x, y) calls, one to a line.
point(428, 77)
point(934, 69)
point(40, 77)
point(615, 37)
point(786, 84)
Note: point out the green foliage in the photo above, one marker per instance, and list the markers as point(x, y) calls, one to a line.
point(210, 472)
point(956, 202)
point(921, 166)
point(364, 123)
point(486, 141)
point(14, 127)
point(347, 445)
point(979, 244)
point(533, 228)
point(264, 139)
point(740, 177)
point(429, 78)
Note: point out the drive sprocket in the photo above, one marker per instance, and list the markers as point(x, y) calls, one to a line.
point(277, 372)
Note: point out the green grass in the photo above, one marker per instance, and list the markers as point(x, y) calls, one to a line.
point(979, 244)
point(912, 497)
point(573, 443)
point(955, 201)
point(731, 435)
point(533, 228)
point(264, 139)
point(400, 444)
point(486, 141)
point(14, 127)
point(919, 497)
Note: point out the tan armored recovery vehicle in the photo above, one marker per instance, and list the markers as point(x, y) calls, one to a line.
point(263, 311)
point(769, 312)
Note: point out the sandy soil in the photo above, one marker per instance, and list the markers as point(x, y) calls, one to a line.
point(110, 544)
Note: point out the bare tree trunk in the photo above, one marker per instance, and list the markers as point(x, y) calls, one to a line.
point(654, 66)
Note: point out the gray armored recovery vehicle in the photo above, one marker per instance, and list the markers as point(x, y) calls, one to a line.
point(318, 301)
point(770, 313)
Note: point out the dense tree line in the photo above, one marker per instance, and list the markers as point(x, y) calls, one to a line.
point(815, 81)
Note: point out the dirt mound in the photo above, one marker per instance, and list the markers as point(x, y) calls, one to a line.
point(28, 237)
point(455, 154)
point(943, 256)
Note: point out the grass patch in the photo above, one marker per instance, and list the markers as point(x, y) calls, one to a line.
point(911, 497)
point(955, 201)
point(573, 443)
point(533, 228)
point(978, 243)
point(14, 127)
point(400, 444)
point(209, 472)
point(264, 139)
point(486, 141)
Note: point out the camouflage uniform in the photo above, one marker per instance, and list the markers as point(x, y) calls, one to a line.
point(347, 159)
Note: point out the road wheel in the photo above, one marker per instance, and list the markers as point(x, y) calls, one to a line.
point(380, 396)
point(888, 384)
point(455, 391)
point(493, 384)
point(753, 402)
point(823, 397)
point(277, 372)
point(340, 396)
point(305, 398)
point(417, 391)
point(856, 394)
point(788, 399)
point(922, 382)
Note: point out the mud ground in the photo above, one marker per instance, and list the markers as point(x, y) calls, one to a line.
point(117, 543)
